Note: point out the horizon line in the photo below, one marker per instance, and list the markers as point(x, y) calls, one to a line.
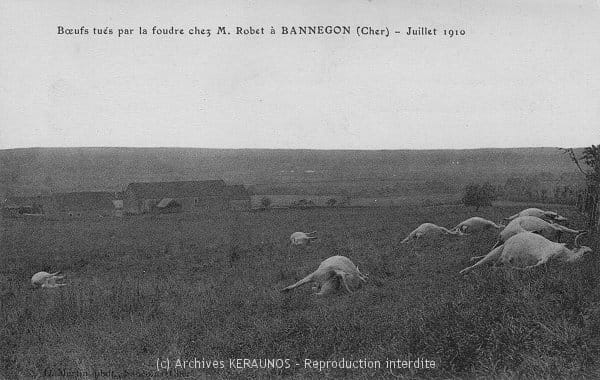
point(286, 149)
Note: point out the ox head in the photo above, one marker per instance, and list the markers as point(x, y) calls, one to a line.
point(553, 215)
point(578, 250)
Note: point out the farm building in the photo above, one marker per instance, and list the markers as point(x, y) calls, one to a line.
point(17, 205)
point(239, 197)
point(77, 204)
point(118, 203)
point(168, 205)
point(184, 196)
point(82, 204)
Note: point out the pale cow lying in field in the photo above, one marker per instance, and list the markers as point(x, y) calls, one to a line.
point(476, 225)
point(429, 229)
point(46, 280)
point(334, 273)
point(549, 230)
point(302, 238)
point(527, 250)
point(546, 215)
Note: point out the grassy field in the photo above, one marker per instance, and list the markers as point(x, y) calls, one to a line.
point(187, 287)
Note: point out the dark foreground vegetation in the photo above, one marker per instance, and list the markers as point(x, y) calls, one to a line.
point(191, 287)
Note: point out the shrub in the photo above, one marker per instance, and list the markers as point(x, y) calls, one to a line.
point(479, 195)
point(265, 203)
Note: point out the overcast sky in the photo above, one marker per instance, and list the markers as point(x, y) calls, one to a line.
point(525, 74)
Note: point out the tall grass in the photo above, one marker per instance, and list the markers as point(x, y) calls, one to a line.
point(185, 286)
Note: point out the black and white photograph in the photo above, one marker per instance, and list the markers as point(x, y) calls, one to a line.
point(357, 189)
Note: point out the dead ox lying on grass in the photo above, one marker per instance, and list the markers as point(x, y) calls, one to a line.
point(527, 250)
point(46, 280)
point(334, 273)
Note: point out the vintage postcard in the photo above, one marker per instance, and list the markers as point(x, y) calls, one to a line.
point(311, 189)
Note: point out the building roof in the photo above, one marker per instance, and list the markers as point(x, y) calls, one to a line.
point(237, 192)
point(178, 189)
point(18, 201)
point(82, 201)
point(165, 202)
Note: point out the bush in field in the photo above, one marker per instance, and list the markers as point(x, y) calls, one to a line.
point(331, 202)
point(479, 195)
point(303, 204)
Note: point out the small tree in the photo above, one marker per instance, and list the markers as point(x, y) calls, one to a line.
point(478, 195)
point(590, 158)
point(331, 202)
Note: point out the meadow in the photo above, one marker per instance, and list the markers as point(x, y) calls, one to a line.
point(182, 286)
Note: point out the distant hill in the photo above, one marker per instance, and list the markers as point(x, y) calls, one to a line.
point(34, 170)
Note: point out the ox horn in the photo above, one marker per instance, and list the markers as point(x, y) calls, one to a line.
point(577, 245)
